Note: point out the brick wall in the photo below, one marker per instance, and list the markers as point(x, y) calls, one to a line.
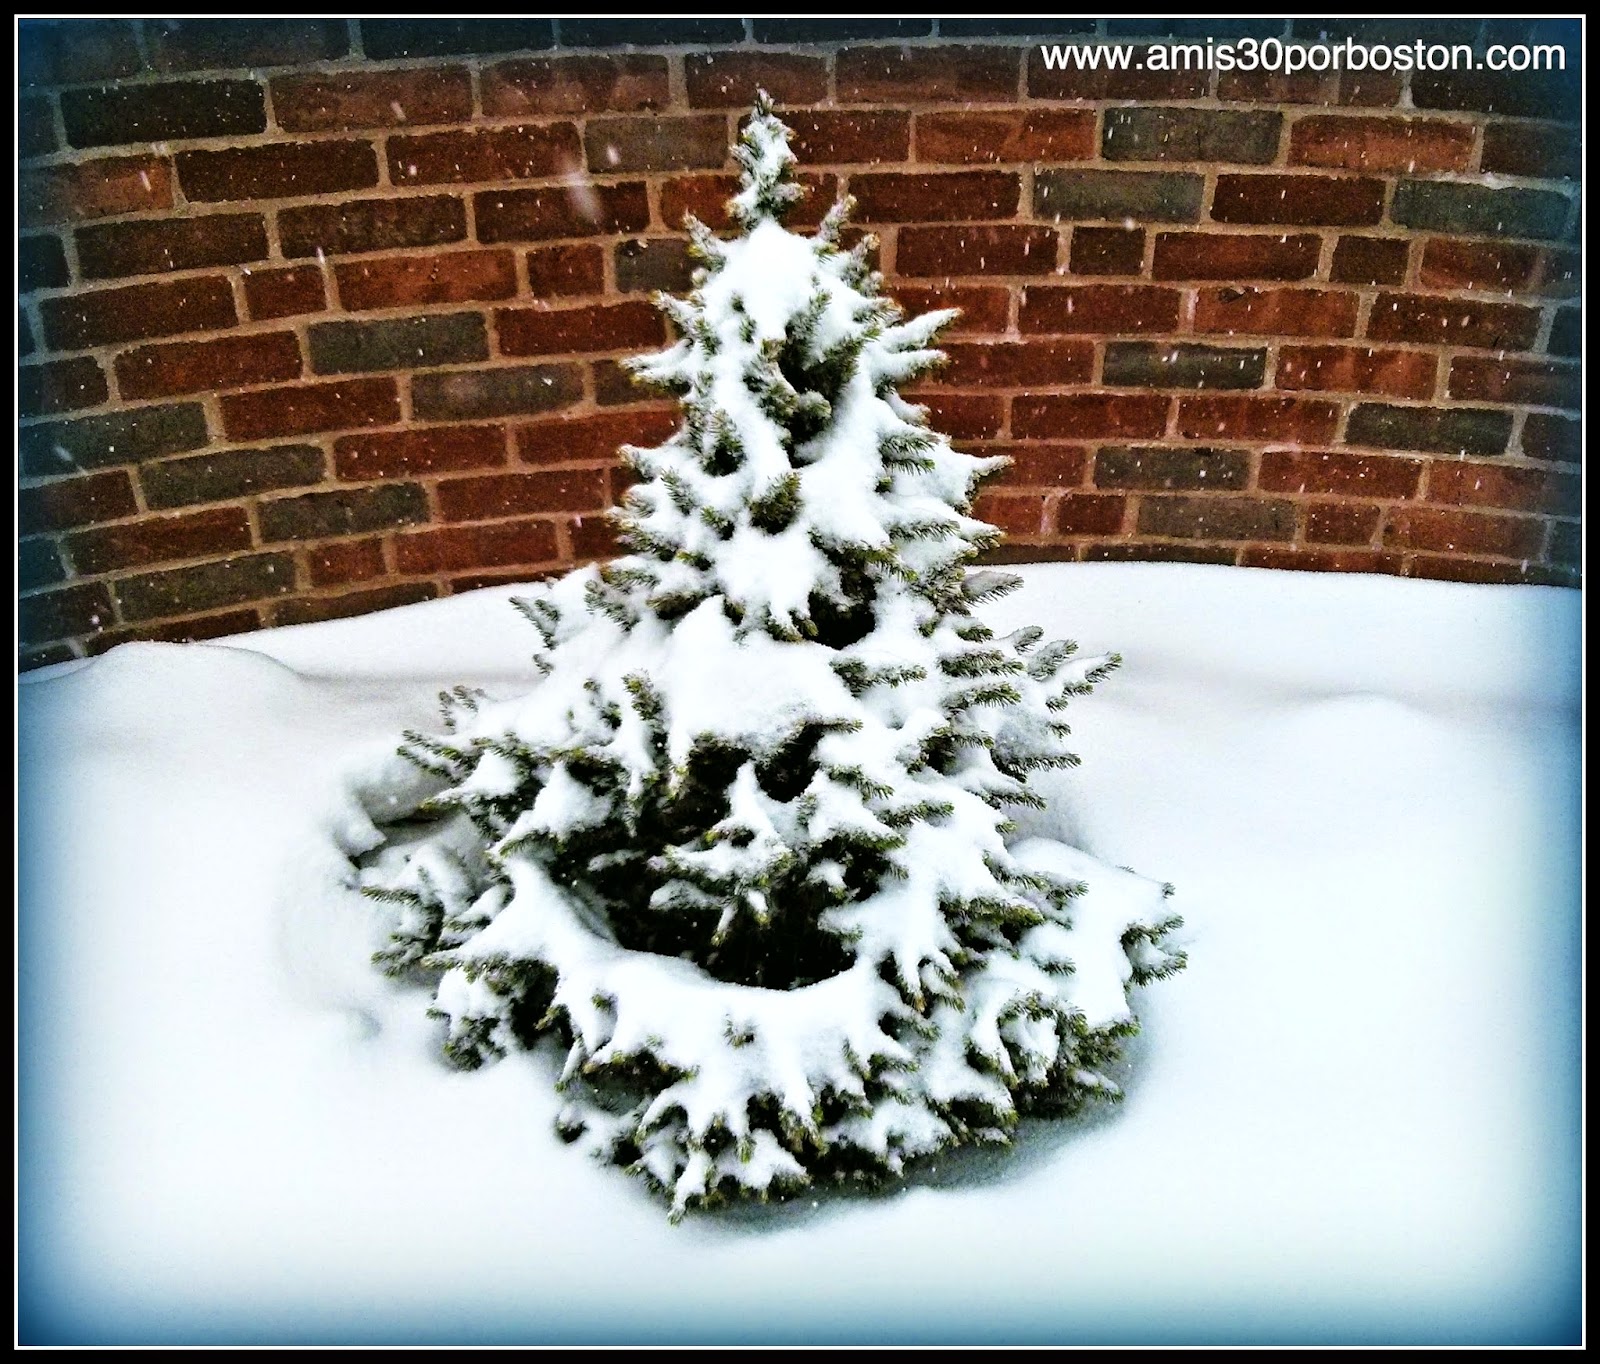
point(319, 317)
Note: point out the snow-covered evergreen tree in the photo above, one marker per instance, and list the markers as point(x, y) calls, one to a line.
point(745, 848)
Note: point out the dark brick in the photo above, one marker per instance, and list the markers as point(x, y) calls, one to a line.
point(1541, 153)
point(278, 170)
point(491, 497)
point(1478, 211)
point(1010, 249)
point(182, 591)
point(1219, 29)
point(475, 394)
point(114, 115)
point(284, 293)
point(303, 611)
point(78, 610)
point(1217, 518)
point(1299, 200)
point(1299, 560)
point(1221, 135)
point(566, 271)
point(1095, 308)
point(25, 343)
point(1357, 369)
point(36, 129)
point(116, 438)
point(1453, 569)
point(1135, 83)
point(1245, 311)
point(526, 215)
point(1381, 144)
point(599, 327)
point(228, 474)
point(649, 32)
point(1566, 544)
point(662, 263)
point(837, 135)
point(498, 544)
point(67, 51)
point(1089, 416)
point(41, 264)
point(38, 564)
point(837, 30)
point(60, 386)
point(1369, 260)
point(398, 343)
point(656, 142)
point(69, 502)
point(942, 74)
point(1158, 468)
point(457, 157)
point(1014, 28)
point(322, 102)
point(1517, 94)
point(1107, 251)
point(1334, 471)
point(1278, 87)
point(223, 44)
point(1452, 321)
point(430, 450)
point(1561, 273)
point(345, 511)
point(208, 366)
point(108, 250)
point(615, 385)
point(302, 409)
point(1144, 364)
point(102, 317)
point(1233, 256)
point(1036, 135)
point(1342, 523)
point(1566, 334)
point(1531, 382)
point(729, 80)
point(1550, 437)
point(1439, 430)
point(372, 225)
point(181, 631)
point(385, 39)
point(67, 193)
point(1162, 197)
point(1439, 528)
point(575, 85)
point(1141, 553)
point(159, 540)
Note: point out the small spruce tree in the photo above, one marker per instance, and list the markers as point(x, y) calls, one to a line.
point(744, 850)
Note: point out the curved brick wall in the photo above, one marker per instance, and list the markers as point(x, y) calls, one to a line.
point(323, 316)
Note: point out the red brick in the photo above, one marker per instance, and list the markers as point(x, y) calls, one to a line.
point(1156, 552)
point(1235, 417)
point(1005, 135)
point(207, 366)
point(1015, 364)
point(1090, 514)
point(325, 102)
point(1275, 312)
point(459, 547)
point(1452, 321)
point(1104, 84)
point(1452, 569)
point(79, 501)
point(1357, 369)
point(372, 225)
point(888, 75)
point(60, 386)
point(149, 248)
point(307, 609)
point(1342, 523)
point(289, 292)
point(1014, 513)
point(278, 170)
point(1506, 487)
point(565, 331)
point(575, 85)
point(420, 450)
point(1114, 309)
point(1004, 250)
point(1537, 151)
point(1438, 528)
point(597, 436)
point(730, 80)
point(964, 416)
point(160, 540)
point(496, 154)
point(304, 408)
point(957, 197)
point(100, 317)
point(565, 271)
point(415, 281)
point(1451, 264)
point(93, 189)
point(1318, 560)
point(181, 631)
point(496, 496)
point(1302, 200)
point(1370, 89)
point(1553, 438)
point(1089, 416)
point(829, 135)
point(524, 215)
point(1047, 464)
point(1278, 87)
point(706, 197)
point(1533, 382)
point(592, 537)
point(1380, 144)
point(345, 561)
point(1334, 471)
point(1370, 260)
point(1234, 256)
point(985, 310)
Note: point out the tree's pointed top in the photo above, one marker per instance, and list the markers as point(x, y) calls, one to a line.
point(766, 168)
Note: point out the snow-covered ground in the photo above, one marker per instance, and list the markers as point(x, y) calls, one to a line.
point(1355, 1117)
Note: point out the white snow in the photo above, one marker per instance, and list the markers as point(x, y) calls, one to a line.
point(1353, 1118)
